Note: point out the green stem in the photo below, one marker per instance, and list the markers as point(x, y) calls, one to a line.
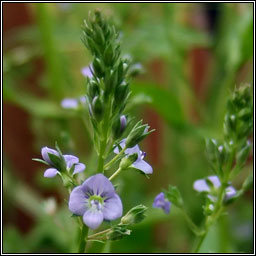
point(104, 138)
point(101, 159)
point(191, 224)
point(113, 160)
point(201, 239)
point(115, 174)
point(82, 243)
point(98, 234)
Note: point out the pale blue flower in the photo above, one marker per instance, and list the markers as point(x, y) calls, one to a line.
point(73, 103)
point(139, 164)
point(70, 162)
point(202, 185)
point(163, 203)
point(96, 200)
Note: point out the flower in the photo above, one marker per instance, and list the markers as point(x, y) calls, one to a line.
point(139, 163)
point(95, 200)
point(73, 103)
point(70, 162)
point(87, 71)
point(161, 202)
point(202, 185)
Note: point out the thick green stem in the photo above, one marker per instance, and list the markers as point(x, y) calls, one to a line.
point(104, 137)
point(82, 242)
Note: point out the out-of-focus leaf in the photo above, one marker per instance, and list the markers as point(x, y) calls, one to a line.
point(35, 106)
point(163, 101)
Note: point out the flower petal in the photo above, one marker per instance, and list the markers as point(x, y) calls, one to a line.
point(69, 103)
point(45, 151)
point(79, 168)
point(50, 173)
point(121, 144)
point(99, 185)
point(215, 181)
point(70, 160)
point(87, 72)
point(93, 218)
point(161, 202)
point(230, 192)
point(143, 166)
point(113, 208)
point(133, 150)
point(77, 201)
point(158, 198)
point(201, 186)
point(167, 207)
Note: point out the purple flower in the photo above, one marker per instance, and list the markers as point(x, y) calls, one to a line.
point(72, 103)
point(139, 163)
point(69, 162)
point(202, 186)
point(87, 71)
point(96, 200)
point(161, 202)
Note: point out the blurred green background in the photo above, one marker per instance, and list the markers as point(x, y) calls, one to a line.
point(193, 55)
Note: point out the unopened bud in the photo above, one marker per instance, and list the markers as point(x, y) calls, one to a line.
point(135, 215)
point(97, 108)
point(128, 161)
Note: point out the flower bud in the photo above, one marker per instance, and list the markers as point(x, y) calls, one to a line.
point(137, 134)
point(121, 92)
point(243, 154)
point(93, 89)
point(119, 126)
point(97, 108)
point(128, 161)
point(135, 215)
point(135, 69)
point(211, 149)
point(248, 183)
point(97, 67)
point(108, 55)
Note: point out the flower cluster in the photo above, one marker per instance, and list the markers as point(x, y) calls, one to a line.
point(107, 94)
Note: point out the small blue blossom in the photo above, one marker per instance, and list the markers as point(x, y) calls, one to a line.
point(70, 162)
point(163, 203)
point(139, 164)
point(96, 200)
point(201, 185)
point(87, 71)
point(73, 103)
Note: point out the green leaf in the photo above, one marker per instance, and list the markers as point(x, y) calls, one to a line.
point(40, 161)
point(174, 196)
point(164, 102)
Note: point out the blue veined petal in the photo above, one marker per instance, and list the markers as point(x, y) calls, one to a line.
point(93, 218)
point(78, 201)
point(99, 185)
point(112, 208)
